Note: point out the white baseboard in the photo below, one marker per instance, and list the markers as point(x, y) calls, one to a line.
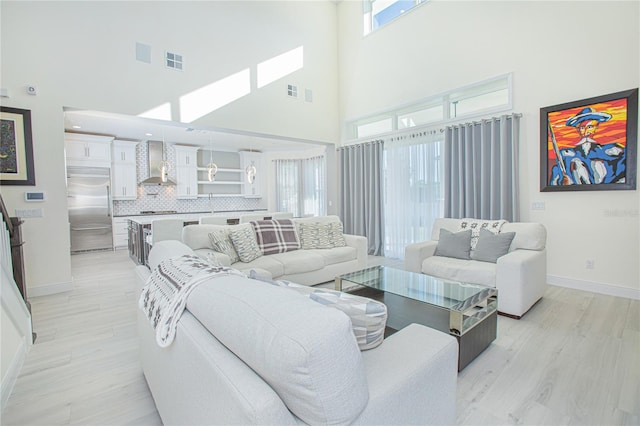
point(595, 287)
point(44, 290)
point(9, 379)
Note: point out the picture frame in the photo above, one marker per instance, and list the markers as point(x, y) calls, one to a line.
point(596, 139)
point(16, 147)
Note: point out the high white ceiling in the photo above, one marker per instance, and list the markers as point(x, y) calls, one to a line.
point(135, 128)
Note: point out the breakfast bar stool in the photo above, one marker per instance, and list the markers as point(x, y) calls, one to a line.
point(213, 220)
point(166, 229)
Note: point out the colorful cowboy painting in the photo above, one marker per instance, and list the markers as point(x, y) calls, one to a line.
point(577, 156)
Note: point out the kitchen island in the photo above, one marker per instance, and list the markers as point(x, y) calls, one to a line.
point(139, 228)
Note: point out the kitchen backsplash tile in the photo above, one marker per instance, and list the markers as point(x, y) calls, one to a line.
point(165, 200)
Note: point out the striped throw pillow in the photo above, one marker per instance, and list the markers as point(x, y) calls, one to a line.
point(314, 235)
point(221, 242)
point(245, 243)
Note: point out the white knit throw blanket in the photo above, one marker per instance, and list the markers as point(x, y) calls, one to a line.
point(165, 293)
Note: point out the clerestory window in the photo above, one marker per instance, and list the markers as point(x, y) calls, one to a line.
point(380, 12)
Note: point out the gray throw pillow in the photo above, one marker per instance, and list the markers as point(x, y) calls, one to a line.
point(491, 246)
point(456, 245)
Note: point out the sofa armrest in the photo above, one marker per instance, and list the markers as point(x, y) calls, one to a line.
point(415, 254)
point(412, 378)
point(521, 277)
point(360, 244)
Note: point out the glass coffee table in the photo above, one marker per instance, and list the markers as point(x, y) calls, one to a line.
point(466, 311)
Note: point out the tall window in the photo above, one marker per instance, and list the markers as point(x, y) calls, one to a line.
point(301, 186)
point(413, 188)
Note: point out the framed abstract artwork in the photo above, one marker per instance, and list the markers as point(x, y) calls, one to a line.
point(16, 147)
point(590, 145)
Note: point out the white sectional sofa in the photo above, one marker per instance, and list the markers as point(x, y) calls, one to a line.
point(303, 266)
point(251, 353)
point(519, 275)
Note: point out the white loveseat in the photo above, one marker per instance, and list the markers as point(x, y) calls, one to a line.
point(250, 353)
point(303, 266)
point(519, 275)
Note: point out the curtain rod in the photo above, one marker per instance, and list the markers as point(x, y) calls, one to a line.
point(484, 120)
point(425, 128)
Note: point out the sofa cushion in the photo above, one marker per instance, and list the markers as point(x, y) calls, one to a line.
point(197, 236)
point(466, 271)
point(491, 246)
point(299, 261)
point(454, 244)
point(529, 235)
point(221, 242)
point(304, 351)
point(245, 243)
point(276, 236)
point(337, 254)
point(268, 263)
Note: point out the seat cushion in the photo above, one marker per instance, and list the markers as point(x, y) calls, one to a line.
point(299, 261)
point(467, 271)
point(268, 263)
point(304, 351)
point(337, 254)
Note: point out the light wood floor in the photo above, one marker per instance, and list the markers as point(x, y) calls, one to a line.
point(573, 359)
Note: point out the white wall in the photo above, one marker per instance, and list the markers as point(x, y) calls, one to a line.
point(558, 52)
point(82, 55)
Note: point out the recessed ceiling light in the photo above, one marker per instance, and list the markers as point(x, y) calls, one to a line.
point(148, 134)
point(76, 127)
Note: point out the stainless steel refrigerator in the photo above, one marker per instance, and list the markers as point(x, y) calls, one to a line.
point(89, 204)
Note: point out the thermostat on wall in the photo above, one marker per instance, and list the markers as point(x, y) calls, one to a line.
point(34, 196)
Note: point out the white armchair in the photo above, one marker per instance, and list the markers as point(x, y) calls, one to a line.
point(519, 275)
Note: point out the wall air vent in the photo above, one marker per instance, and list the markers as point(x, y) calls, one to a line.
point(174, 61)
point(292, 90)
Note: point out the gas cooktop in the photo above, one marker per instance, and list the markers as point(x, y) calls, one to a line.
point(158, 212)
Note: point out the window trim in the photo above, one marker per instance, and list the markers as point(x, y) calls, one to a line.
point(367, 16)
point(474, 89)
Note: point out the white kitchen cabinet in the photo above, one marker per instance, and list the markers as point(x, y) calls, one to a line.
point(257, 188)
point(186, 171)
point(124, 180)
point(87, 150)
point(120, 233)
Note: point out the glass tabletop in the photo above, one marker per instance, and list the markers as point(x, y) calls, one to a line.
point(445, 294)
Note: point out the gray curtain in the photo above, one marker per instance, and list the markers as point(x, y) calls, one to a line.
point(361, 202)
point(480, 173)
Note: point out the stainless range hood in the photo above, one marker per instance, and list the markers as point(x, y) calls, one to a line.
point(154, 158)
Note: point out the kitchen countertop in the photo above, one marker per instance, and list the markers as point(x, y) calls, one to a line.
point(146, 219)
point(205, 213)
